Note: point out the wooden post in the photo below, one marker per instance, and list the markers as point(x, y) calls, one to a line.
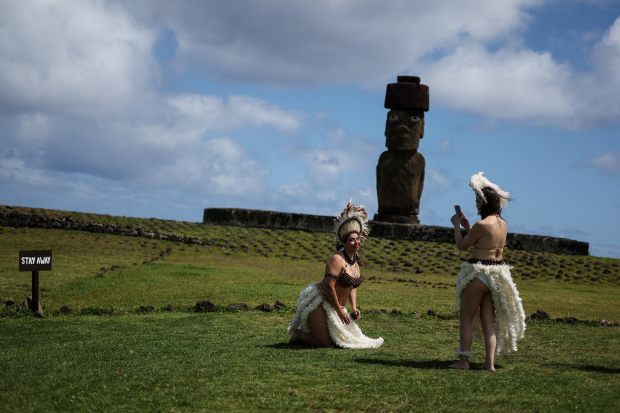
point(35, 291)
point(35, 261)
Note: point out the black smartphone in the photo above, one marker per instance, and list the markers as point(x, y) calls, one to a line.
point(457, 208)
point(354, 316)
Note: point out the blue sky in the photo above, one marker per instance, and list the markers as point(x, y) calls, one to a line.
point(160, 109)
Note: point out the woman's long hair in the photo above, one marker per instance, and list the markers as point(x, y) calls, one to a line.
point(492, 204)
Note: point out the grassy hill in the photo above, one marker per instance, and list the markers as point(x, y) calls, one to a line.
point(565, 286)
point(121, 333)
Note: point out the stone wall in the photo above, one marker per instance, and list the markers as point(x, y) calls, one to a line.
point(20, 220)
point(285, 220)
point(318, 223)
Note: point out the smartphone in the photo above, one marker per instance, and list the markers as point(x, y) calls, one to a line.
point(457, 208)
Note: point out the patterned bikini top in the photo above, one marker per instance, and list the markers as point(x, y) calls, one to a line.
point(346, 281)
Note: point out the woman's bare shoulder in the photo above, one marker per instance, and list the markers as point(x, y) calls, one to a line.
point(336, 262)
point(479, 226)
point(491, 226)
point(483, 227)
point(335, 258)
point(491, 221)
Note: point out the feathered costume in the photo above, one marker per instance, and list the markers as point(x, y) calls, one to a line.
point(343, 335)
point(509, 314)
point(479, 182)
point(353, 219)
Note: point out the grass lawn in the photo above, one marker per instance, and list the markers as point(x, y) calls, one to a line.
point(239, 360)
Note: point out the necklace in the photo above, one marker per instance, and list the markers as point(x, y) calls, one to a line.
point(351, 261)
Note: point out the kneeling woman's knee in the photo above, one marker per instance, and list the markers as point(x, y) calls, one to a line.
point(324, 342)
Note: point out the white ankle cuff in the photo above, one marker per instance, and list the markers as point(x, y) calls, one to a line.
point(463, 353)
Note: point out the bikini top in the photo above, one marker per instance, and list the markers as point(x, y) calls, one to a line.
point(498, 249)
point(346, 281)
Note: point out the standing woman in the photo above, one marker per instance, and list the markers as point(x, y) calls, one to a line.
point(321, 319)
point(485, 282)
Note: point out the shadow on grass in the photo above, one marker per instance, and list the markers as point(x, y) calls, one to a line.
point(287, 346)
point(594, 369)
point(427, 364)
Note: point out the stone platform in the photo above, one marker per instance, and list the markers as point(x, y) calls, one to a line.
point(318, 223)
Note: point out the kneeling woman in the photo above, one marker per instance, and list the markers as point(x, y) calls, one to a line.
point(488, 299)
point(321, 319)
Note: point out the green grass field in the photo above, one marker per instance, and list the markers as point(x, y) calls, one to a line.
point(111, 354)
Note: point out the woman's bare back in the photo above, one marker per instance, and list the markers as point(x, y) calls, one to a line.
point(492, 232)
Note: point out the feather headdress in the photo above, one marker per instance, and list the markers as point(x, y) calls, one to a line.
point(352, 219)
point(478, 182)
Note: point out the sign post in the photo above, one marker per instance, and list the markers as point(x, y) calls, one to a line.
point(35, 261)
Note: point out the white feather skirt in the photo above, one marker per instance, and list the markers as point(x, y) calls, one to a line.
point(343, 335)
point(509, 314)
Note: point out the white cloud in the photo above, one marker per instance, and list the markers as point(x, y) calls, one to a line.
point(308, 198)
point(172, 150)
point(605, 250)
point(470, 53)
point(326, 164)
point(85, 57)
point(95, 56)
point(443, 148)
point(518, 84)
point(340, 155)
point(609, 162)
point(438, 180)
point(508, 84)
point(326, 42)
point(217, 166)
point(573, 233)
point(314, 198)
point(175, 152)
point(33, 128)
point(17, 172)
point(214, 113)
point(257, 112)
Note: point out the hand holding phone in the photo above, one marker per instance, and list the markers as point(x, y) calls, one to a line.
point(457, 208)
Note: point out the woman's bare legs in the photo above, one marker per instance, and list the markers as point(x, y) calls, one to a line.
point(319, 335)
point(470, 301)
point(487, 318)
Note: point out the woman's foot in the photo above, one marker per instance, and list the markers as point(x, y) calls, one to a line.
point(296, 337)
point(485, 367)
point(460, 365)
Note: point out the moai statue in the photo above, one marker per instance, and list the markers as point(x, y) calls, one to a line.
point(400, 171)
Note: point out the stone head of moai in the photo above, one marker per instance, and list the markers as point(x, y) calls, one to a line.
point(407, 101)
point(400, 171)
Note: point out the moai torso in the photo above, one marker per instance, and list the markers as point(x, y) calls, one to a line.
point(400, 180)
point(400, 171)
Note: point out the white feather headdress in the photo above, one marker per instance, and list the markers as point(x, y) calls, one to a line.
point(352, 219)
point(478, 182)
